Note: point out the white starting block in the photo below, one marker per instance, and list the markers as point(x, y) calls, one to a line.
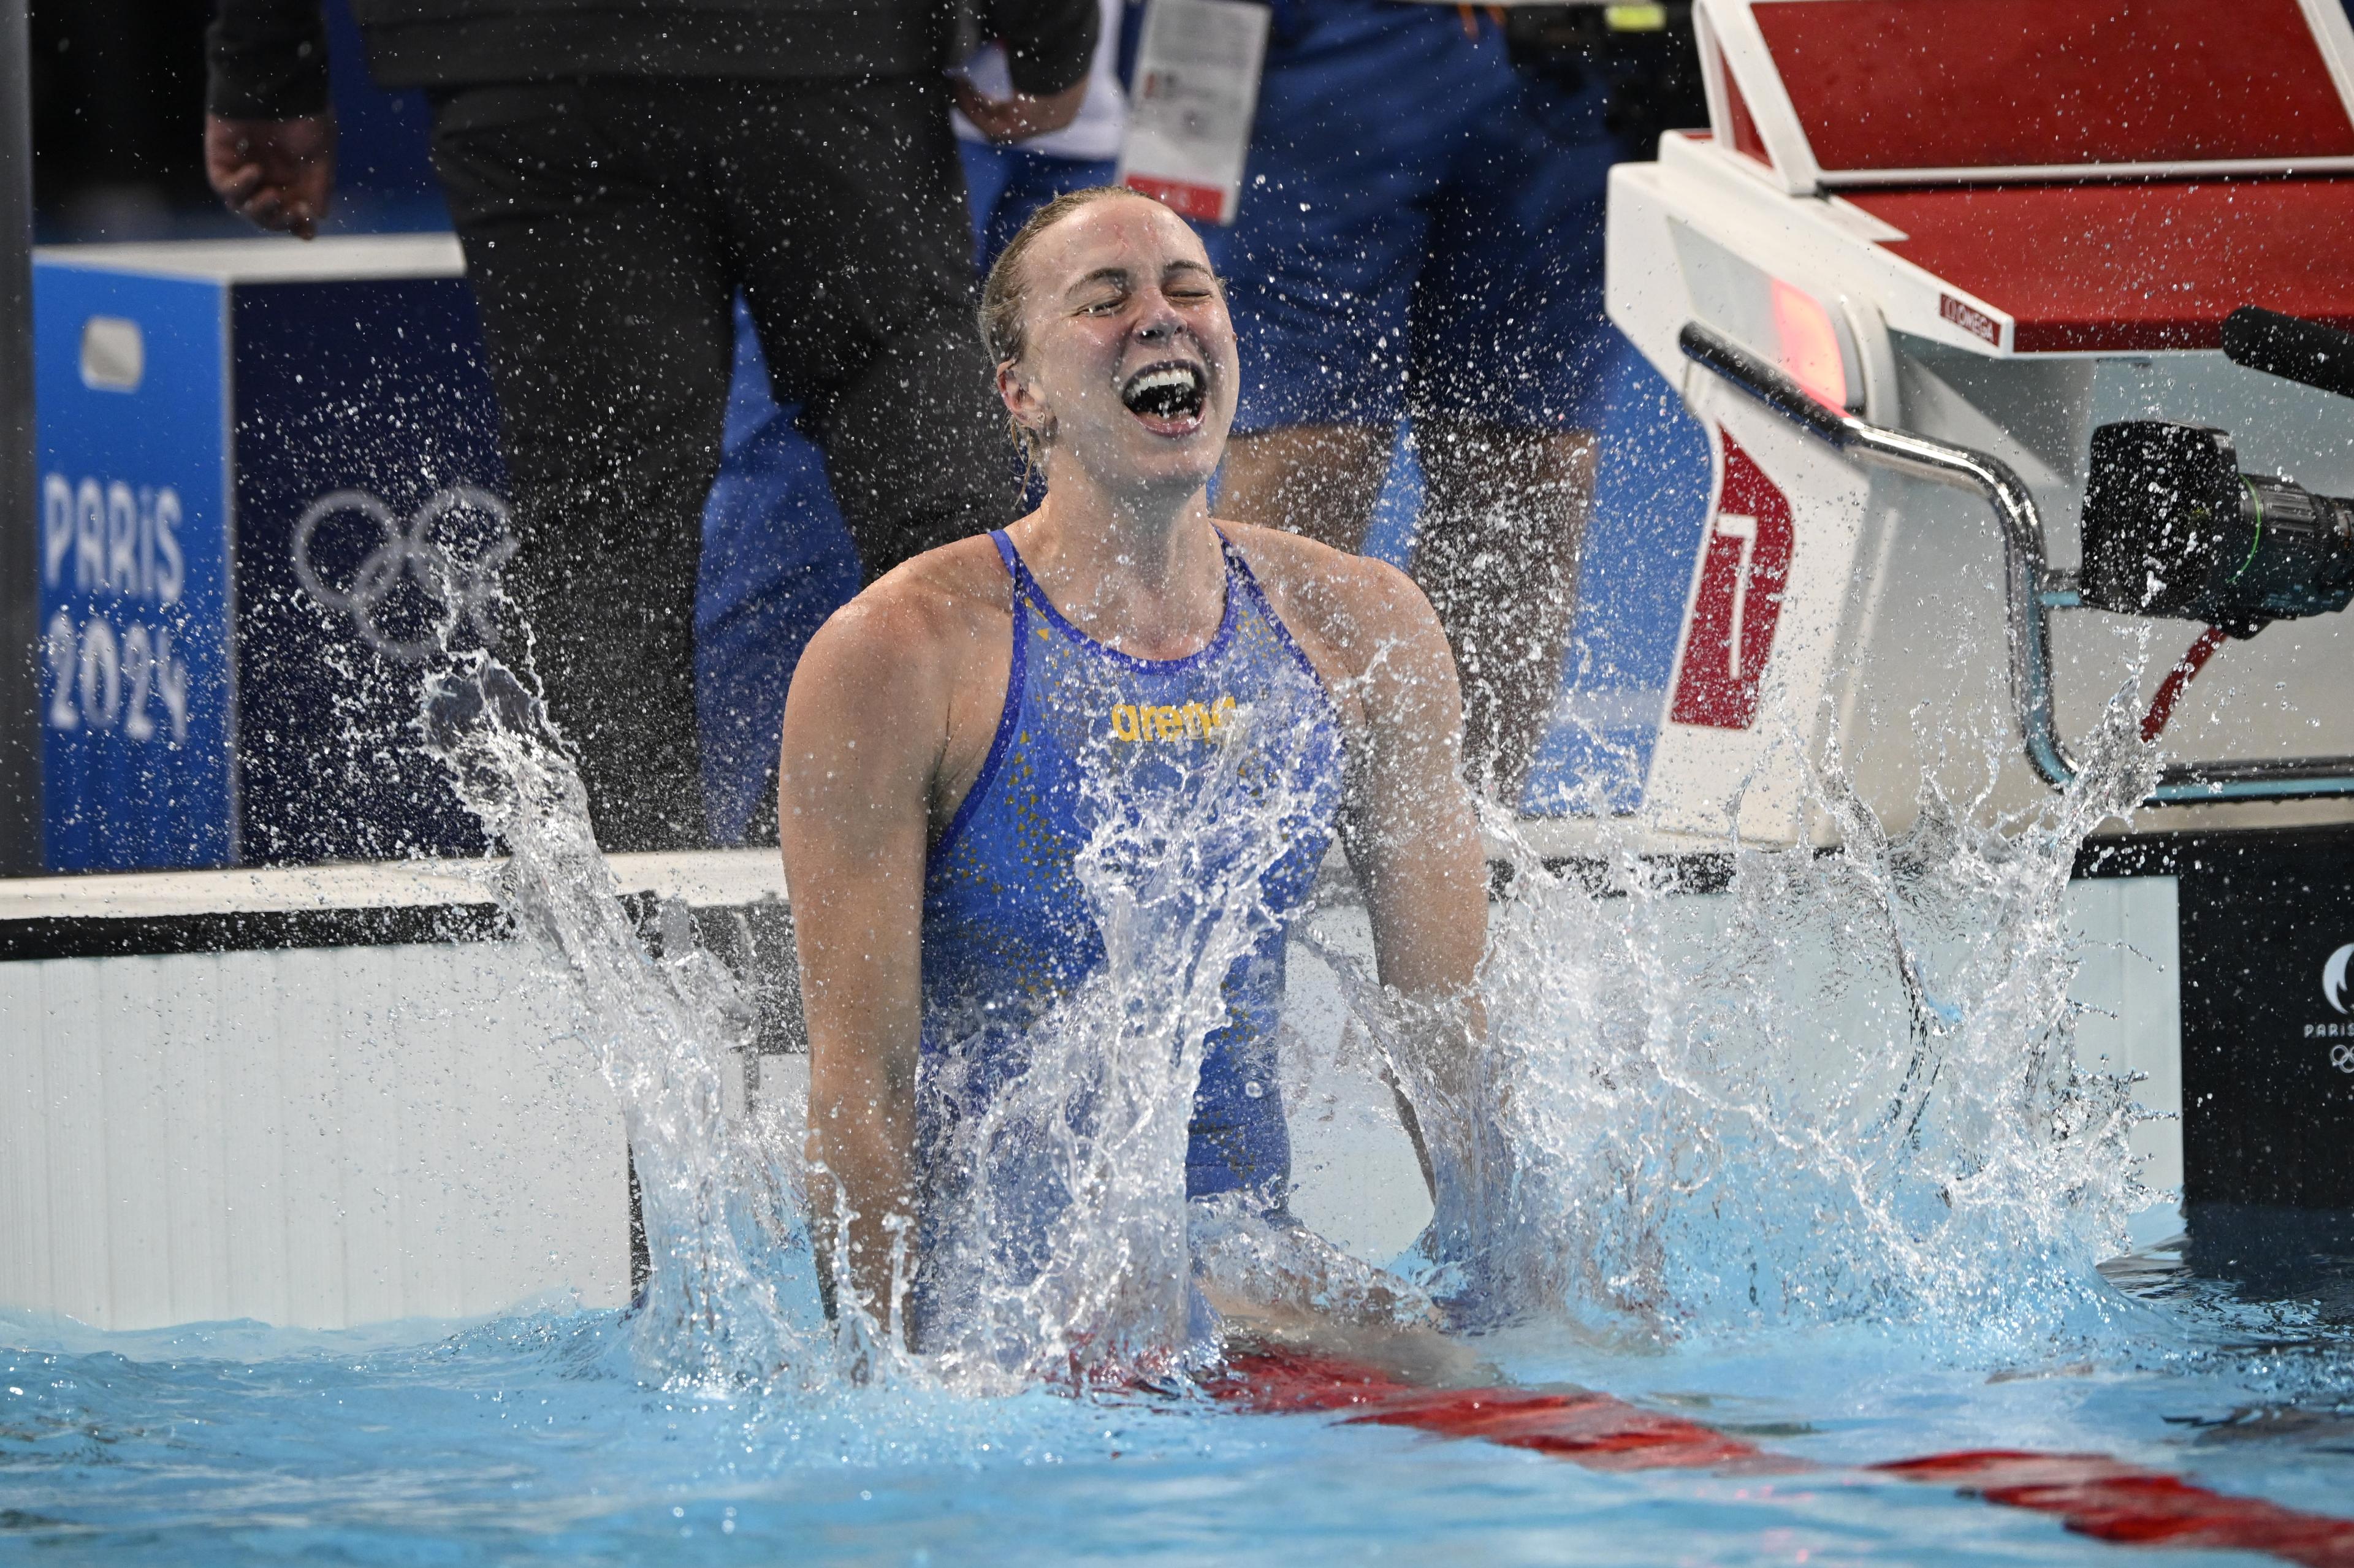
point(1924, 251)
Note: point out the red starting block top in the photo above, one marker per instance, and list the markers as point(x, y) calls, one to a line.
point(2072, 175)
point(1842, 93)
point(2122, 268)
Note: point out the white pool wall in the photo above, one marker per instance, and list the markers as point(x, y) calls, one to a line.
point(330, 1137)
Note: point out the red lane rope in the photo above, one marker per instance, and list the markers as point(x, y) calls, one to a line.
point(2089, 1493)
point(2110, 1500)
point(1591, 1430)
point(2170, 690)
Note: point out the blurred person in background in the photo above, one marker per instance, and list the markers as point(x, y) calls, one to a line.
point(617, 176)
point(1420, 238)
point(782, 558)
point(1010, 176)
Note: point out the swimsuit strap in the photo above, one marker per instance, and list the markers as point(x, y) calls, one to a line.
point(1024, 585)
point(1238, 567)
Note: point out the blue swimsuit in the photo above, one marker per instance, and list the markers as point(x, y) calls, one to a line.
point(1088, 733)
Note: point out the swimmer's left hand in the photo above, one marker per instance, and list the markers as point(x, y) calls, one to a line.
point(1020, 116)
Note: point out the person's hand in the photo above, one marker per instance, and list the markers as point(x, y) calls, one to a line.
point(274, 173)
point(1012, 119)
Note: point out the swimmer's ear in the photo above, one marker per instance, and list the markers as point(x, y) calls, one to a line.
point(1022, 401)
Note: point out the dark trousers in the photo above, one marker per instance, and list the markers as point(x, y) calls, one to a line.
point(608, 225)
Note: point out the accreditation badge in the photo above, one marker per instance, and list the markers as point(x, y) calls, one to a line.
point(1197, 69)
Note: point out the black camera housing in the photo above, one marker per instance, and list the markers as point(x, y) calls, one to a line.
point(2173, 528)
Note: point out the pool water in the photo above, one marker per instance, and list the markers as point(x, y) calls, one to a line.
point(1819, 1171)
point(533, 1438)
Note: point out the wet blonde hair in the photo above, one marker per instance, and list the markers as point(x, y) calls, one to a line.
point(1004, 295)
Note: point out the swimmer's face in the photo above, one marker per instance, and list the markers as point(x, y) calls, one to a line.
point(1128, 359)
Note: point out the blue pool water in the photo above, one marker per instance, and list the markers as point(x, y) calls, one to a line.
point(532, 1440)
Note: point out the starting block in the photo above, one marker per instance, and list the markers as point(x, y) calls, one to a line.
point(1922, 254)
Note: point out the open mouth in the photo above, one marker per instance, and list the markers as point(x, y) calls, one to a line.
point(1167, 397)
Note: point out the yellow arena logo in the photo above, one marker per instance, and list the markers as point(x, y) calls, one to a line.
point(1189, 721)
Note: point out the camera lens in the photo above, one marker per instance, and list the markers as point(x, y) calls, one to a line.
point(2173, 528)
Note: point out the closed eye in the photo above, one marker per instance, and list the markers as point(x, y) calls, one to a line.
point(1188, 280)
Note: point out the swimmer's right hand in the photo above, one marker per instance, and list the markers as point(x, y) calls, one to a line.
point(274, 173)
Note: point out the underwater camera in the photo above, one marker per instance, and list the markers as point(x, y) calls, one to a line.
point(2172, 527)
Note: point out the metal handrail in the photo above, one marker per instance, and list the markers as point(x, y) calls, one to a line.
point(2030, 586)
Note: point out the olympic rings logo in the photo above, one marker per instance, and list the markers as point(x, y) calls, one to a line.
point(2342, 1058)
point(466, 589)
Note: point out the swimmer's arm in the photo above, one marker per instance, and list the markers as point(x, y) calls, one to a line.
point(854, 781)
point(1413, 837)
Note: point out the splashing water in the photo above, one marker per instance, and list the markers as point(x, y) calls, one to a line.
point(1059, 1242)
point(1842, 1090)
point(1811, 1142)
point(721, 1197)
point(1097, 1122)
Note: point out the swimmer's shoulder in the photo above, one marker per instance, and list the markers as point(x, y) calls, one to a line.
point(917, 628)
point(1355, 605)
